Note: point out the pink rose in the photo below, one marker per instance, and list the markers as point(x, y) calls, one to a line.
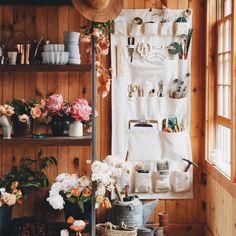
point(35, 112)
point(80, 110)
point(23, 118)
point(54, 103)
point(2, 110)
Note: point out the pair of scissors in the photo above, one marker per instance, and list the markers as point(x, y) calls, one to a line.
point(143, 49)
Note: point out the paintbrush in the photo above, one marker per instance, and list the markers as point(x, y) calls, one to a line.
point(189, 37)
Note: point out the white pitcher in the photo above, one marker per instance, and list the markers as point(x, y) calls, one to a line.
point(4, 122)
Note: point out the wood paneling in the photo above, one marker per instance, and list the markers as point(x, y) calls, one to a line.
point(186, 216)
point(221, 207)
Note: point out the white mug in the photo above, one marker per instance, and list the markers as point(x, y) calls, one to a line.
point(12, 57)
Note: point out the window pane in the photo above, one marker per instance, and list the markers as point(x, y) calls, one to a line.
point(220, 38)
point(226, 36)
point(223, 145)
point(220, 100)
point(227, 7)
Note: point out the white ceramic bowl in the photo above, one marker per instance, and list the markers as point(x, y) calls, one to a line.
point(54, 48)
point(74, 61)
point(55, 58)
point(71, 36)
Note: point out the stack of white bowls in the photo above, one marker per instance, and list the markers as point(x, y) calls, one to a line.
point(71, 41)
point(54, 54)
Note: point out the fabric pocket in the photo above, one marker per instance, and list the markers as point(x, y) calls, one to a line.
point(120, 28)
point(182, 69)
point(165, 29)
point(179, 181)
point(181, 28)
point(141, 107)
point(174, 145)
point(132, 107)
point(135, 30)
point(150, 28)
point(142, 182)
point(123, 180)
point(152, 108)
point(174, 107)
point(144, 145)
point(162, 183)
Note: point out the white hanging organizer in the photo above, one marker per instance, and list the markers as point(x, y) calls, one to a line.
point(152, 91)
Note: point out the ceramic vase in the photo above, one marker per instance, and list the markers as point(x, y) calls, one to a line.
point(6, 127)
point(57, 125)
point(5, 220)
point(76, 129)
point(73, 209)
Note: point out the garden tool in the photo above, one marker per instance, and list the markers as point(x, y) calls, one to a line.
point(189, 164)
point(143, 49)
point(131, 43)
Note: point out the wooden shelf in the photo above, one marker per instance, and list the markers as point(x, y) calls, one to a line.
point(49, 141)
point(44, 68)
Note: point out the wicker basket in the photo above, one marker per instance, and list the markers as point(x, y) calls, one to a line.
point(108, 229)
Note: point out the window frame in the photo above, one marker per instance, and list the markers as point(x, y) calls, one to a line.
point(211, 96)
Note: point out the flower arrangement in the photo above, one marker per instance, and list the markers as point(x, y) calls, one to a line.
point(23, 179)
point(24, 110)
point(55, 106)
point(100, 32)
point(78, 190)
point(12, 196)
point(79, 110)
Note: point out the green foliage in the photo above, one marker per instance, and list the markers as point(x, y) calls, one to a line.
point(30, 174)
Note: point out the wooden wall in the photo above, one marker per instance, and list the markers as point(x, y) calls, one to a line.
point(186, 216)
point(221, 207)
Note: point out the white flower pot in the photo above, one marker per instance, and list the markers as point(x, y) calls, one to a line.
point(76, 129)
point(4, 122)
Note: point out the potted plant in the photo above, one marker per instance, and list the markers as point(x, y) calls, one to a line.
point(79, 111)
point(56, 111)
point(8, 198)
point(73, 193)
point(24, 113)
point(19, 182)
point(6, 111)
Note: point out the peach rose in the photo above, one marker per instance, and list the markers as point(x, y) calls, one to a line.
point(35, 112)
point(23, 118)
point(9, 110)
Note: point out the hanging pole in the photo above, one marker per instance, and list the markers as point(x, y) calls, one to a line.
point(93, 78)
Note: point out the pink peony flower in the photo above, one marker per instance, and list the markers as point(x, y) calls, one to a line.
point(80, 110)
point(35, 112)
point(54, 103)
point(23, 118)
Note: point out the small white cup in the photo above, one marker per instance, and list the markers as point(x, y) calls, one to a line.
point(12, 57)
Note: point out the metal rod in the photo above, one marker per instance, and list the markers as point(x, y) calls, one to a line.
point(93, 78)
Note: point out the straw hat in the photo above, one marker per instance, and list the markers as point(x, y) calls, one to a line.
point(98, 10)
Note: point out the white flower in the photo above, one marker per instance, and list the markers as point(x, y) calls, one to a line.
point(84, 181)
point(62, 176)
point(2, 190)
point(69, 183)
point(101, 190)
point(56, 201)
point(9, 199)
point(79, 223)
point(56, 188)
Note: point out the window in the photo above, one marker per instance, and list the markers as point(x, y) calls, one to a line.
point(221, 87)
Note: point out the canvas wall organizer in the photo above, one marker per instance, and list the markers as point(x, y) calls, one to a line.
point(151, 56)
